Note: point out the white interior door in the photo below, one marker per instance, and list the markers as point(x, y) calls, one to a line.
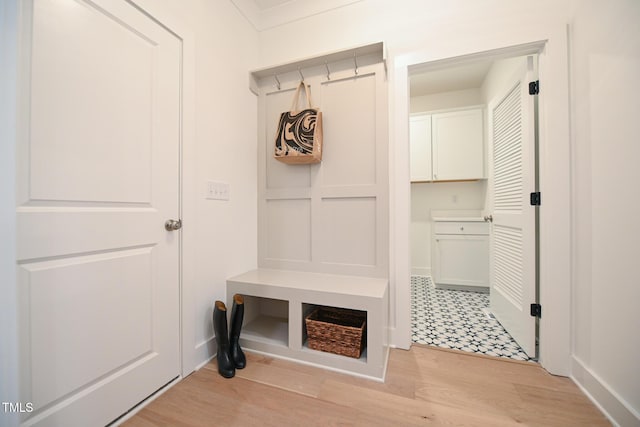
point(98, 172)
point(512, 273)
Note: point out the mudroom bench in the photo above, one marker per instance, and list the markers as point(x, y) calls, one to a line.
point(277, 301)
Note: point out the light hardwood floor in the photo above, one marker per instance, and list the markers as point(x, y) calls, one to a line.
point(424, 386)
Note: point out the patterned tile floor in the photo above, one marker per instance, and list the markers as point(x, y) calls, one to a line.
point(455, 319)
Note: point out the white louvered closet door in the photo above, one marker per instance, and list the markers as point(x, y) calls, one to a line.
point(512, 124)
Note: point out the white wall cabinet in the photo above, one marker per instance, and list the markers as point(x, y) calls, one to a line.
point(461, 253)
point(420, 155)
point(447, 146)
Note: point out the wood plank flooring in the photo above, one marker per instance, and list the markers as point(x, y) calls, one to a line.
point(424, 386)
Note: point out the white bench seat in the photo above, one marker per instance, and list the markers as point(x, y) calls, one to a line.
point(276, 302)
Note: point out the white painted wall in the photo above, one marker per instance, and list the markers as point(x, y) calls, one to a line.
point(8, 300)
point(446, 100)
point(605, 54)
point(406, 26)
point(500, 70)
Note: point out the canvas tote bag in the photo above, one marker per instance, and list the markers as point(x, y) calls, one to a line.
point(299, 135)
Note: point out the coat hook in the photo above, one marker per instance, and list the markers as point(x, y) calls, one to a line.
point(355, 62)
point(328, 72)
point(277, 81)
point(300, 72)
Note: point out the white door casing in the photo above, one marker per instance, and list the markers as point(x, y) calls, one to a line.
point(512, 271)
point(550, 43)
point(98, 175)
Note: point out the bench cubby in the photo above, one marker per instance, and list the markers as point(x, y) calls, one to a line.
point(277, 301)
point(266, 320)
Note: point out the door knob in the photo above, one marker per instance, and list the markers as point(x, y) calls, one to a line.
point(488, 218)
point(173, 225)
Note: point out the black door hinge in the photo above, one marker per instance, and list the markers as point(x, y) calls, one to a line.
point(534, 87)
point(536, 310)
point(535, 199)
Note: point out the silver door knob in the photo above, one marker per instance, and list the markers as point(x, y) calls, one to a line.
point(488, 218)
point(173, 225)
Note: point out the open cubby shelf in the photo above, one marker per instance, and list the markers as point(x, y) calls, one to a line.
point(277, 302)
point(268, 329)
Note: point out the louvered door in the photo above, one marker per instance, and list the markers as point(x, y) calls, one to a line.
point(513, 230)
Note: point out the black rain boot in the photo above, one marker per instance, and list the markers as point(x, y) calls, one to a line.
point(225, 364)
point(237, 314)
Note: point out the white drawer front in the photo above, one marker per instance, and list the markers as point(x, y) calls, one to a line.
point(474, 228)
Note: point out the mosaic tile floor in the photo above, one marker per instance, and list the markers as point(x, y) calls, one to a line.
point(455, 319)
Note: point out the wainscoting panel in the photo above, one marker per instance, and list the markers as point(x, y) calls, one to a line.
point(329, 217)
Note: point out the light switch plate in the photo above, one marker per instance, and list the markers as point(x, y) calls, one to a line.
point(217, 190)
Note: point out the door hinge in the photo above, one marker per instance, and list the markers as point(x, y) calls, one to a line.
point(536, 310)
point(534, 87)
point(535, 199)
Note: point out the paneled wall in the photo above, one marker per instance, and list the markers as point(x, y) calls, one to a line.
point(329, 217)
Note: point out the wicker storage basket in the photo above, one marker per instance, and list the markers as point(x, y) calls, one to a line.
point(337, 330)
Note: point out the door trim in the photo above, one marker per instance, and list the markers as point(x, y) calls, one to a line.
point(9, 390)
point(555, 255)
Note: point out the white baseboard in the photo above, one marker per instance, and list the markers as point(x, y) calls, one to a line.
point(612, 405)
point(202, 364)
point(420, 271)
point(204, 352)
point(403, 342)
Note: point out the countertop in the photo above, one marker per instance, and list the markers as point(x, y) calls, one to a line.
point(458, 219)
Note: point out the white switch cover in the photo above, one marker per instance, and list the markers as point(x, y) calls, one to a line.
point(217, 190)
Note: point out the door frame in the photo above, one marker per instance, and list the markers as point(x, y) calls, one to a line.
point(9, 388)
point(551, 43)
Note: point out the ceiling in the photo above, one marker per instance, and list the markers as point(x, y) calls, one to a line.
point(266, 4)
point(468, 76)
point(265, 14)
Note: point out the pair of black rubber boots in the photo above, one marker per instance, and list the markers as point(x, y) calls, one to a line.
point(230, 356)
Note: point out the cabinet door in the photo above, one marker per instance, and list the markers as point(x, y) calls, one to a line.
point(420, 144)
point(461, 260)
point(458, 145)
